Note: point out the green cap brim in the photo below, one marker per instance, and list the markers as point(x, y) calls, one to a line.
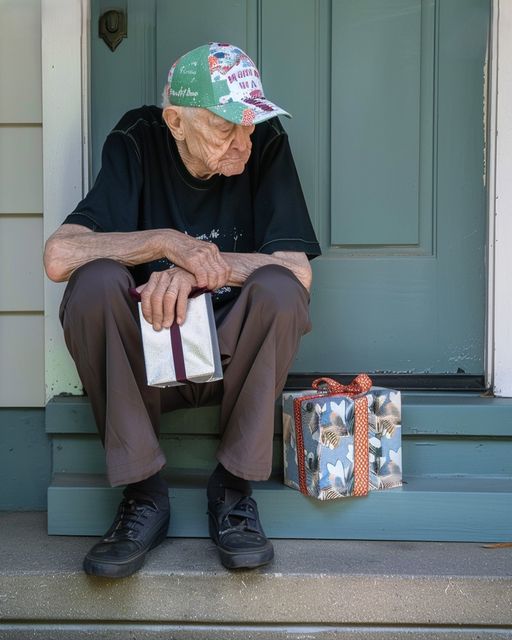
point(248, 114)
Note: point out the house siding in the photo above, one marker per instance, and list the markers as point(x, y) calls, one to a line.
point(21, 206)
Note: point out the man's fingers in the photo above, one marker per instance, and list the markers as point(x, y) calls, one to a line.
point(223, 272)
point(212, 274)
point(163, 300)
point(201, 258)
point(201, 274)
point(152, 298)
point(145, 297)
point(169, 305)
point(181, 305)
point(165, 297)
point(208, 266)
point(202, 268)
point(175, 302)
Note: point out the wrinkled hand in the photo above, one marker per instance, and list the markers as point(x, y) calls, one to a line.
point(202, 259)
point(165, 295)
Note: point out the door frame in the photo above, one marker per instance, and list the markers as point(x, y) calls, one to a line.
point(499, 161)
point(65, 63)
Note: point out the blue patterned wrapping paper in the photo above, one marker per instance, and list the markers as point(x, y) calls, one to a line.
point(327, 427)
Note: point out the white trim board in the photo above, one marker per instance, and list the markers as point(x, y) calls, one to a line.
point(500, 206)
point(63, 166)
point(490, 102)
point(65, 64)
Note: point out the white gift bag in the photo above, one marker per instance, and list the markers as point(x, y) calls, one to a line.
point(186, 353)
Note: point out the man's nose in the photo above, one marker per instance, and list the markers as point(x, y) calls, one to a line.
point(242, 139)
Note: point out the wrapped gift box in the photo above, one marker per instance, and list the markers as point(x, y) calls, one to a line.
point(342, 441)
point(186, 353)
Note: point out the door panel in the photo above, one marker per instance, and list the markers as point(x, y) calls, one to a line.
point(388, 136)
point(123, 79)
point(294, 68)
point(376, 120)
point(183, 26)
point(402, 306)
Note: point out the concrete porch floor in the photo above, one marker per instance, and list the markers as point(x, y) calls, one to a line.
point(314, 589)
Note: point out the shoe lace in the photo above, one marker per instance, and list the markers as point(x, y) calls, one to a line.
point(130, 518)
point(243, 516)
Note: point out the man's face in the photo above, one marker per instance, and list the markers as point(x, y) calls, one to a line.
point(215, 145)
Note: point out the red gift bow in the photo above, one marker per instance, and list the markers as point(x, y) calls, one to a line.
point(360, 384)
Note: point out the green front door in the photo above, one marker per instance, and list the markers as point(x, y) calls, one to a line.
point(388, 98)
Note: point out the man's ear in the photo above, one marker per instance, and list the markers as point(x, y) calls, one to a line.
point(173, 118)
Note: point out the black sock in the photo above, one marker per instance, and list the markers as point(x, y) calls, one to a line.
point(222, 479)
point(155, 488)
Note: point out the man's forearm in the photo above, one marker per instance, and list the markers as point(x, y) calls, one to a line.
point(243, 264)
point(72, 246)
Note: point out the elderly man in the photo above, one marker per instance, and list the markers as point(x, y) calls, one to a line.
point(201, 193)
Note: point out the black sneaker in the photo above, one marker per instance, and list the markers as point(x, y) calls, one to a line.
point(236, 530)
point(139, 526)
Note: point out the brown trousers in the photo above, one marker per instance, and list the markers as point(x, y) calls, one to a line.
point(258, 340)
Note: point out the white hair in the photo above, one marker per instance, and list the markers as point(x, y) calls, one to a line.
point(165, 96)
point(190, 113)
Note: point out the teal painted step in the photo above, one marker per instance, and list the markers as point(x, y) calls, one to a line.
point(422, 414)
point(436, 455)
point(434, 508)
point(25, 460)
point(189, 438)
point(457, 450)
point(84, 454)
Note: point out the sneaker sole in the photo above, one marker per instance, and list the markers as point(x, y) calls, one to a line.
point(124, 569)
point(245, 560)
point(241, 559)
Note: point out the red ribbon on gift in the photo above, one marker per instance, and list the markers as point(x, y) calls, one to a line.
point(360, 384)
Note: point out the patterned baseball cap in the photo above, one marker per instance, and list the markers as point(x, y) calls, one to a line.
point(223, 79)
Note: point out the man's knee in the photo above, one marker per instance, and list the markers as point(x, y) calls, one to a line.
point(94, 285)
point(279, 293)
point(100, 275)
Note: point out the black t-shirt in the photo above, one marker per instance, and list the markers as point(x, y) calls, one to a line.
point(143, 184)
